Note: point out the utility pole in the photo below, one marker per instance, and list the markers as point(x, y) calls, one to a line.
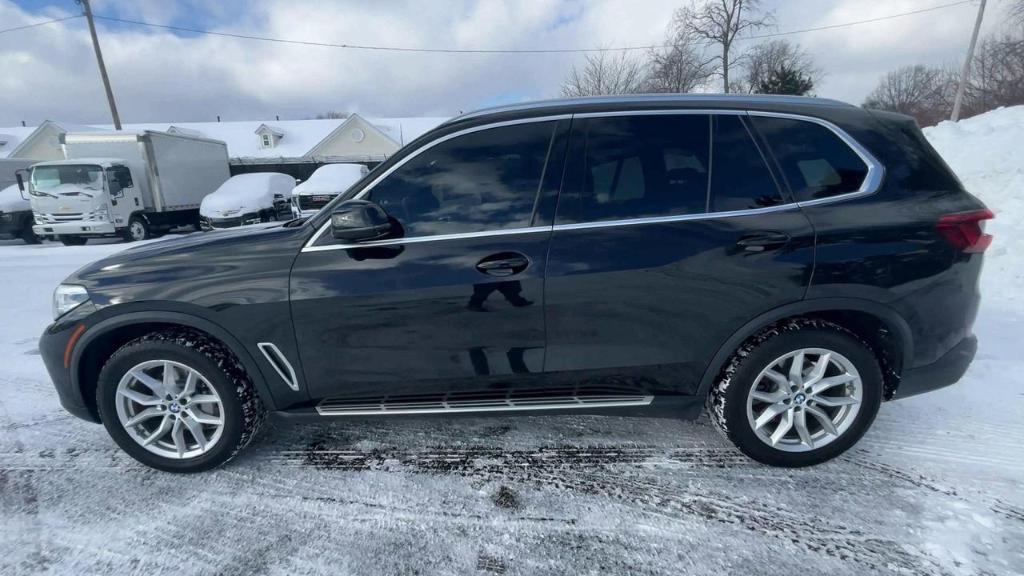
point(103, 67)
point(965, 72)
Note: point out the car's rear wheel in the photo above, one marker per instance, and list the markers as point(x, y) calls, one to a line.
point(798, 393)
point(177, 401)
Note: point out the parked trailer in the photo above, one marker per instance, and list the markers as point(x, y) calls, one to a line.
point(128, 184)
point(15, 210)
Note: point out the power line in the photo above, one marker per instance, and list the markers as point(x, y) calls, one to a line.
point(16, 28)
point(507, 51)
point(868, 21)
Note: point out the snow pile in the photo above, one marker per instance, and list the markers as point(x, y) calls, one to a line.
point(247, 193)
point(985, 152)
point(331, 179)
point(11, 200)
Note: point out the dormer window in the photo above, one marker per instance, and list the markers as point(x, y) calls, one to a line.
point(268, 136)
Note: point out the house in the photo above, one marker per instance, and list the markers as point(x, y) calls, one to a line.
point(37, 143)
point(295, 147)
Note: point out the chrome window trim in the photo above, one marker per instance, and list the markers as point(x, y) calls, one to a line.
point(876, 171)
point(434, 238)
point(872, 181)
point(677, 218)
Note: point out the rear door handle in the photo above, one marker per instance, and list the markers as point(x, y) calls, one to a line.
point(761, 241)
point(503, 264)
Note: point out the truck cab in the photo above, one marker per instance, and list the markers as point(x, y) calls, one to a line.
point(81, 198)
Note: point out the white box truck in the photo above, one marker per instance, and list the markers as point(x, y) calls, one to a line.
point(127, 184)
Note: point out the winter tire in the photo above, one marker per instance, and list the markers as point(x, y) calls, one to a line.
point(178, 402)
point(798, 393)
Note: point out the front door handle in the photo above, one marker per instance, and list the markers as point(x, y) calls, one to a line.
point(761, 241)
point(503, 264)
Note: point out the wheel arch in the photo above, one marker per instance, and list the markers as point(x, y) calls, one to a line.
point(871, 321)
point(103, 339)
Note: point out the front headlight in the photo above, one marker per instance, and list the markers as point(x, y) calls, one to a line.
point(67, 297)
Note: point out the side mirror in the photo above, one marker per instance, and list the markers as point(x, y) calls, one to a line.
point(21, 183)
point(360, 221)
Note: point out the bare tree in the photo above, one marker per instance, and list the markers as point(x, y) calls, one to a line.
point(1016, 12)
point(605, 74)
point(331, 115)
point(722, 22)
point(779, 67)
point(679, 67)
point(997, 75)
point(914, 90)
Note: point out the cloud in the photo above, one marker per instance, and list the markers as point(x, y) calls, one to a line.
point(50, 71)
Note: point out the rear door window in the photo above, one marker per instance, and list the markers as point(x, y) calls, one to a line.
point(740, 179)
point(814, 160)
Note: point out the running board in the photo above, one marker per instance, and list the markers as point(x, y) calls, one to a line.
point(479, 402)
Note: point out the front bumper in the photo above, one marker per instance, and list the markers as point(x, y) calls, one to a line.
point(948, 369)
point(56, 346)
point(207, 223)
point(77, 228)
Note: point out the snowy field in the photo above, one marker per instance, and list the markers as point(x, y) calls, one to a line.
point(937, 486)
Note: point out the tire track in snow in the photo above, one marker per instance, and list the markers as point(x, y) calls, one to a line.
point(584, 470)
point(808, 532)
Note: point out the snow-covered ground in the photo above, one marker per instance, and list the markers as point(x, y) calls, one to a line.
point(937, 487)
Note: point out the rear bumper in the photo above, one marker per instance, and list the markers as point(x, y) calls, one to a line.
point(81, 228)
point(948, 369)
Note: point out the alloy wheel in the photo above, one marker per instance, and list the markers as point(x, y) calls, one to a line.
point(804, 400)
point(170, 409)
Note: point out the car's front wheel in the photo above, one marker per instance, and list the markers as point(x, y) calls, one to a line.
point(177, 401)
point(798, 393)
point(138, 229)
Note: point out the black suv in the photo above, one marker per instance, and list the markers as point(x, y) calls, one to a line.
point(787, 262)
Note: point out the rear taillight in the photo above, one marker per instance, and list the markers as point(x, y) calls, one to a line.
point(966, 230)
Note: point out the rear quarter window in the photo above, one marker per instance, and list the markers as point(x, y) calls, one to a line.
point(814, 160)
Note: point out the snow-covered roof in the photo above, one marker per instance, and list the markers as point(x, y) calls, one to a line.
point(405, 130)
point(269, 129)
point(296, 138)
point(11, 137)
point(331, 179)
point(106, 162)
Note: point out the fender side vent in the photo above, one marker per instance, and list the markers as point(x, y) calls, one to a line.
point(280, 364)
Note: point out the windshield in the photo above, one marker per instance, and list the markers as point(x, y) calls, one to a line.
point(50, 179)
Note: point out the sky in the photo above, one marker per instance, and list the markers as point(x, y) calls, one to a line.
point(50, 72)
